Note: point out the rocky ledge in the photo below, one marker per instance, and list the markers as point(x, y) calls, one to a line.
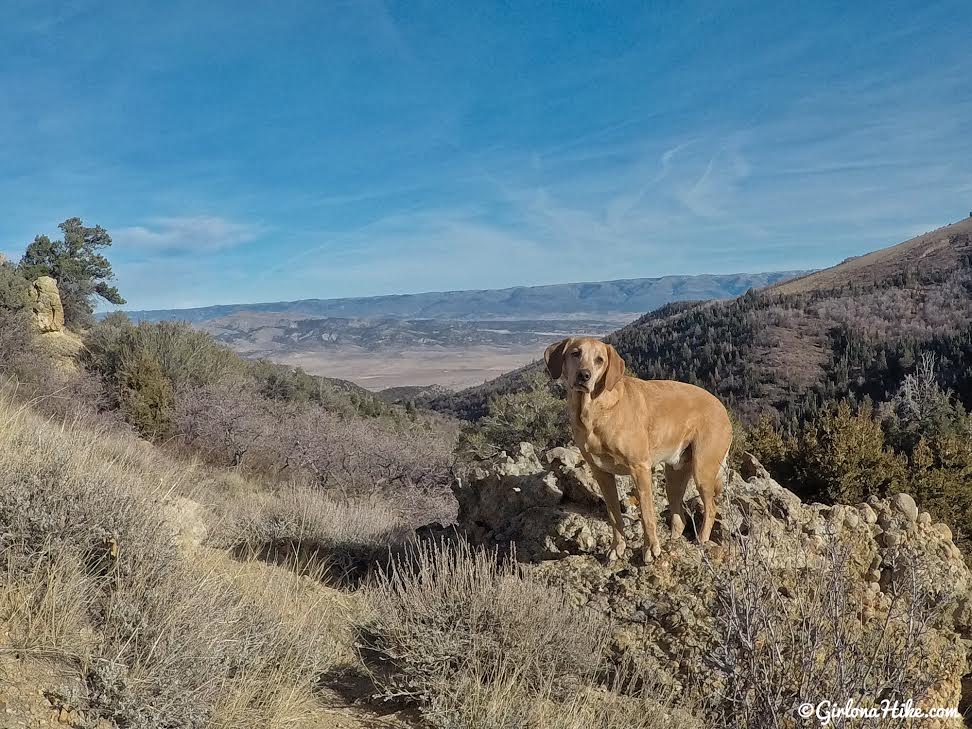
point(791, 601)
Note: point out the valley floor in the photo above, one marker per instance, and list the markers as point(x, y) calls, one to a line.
point(455, 368)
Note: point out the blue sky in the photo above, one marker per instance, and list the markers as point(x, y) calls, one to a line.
point(268, 151)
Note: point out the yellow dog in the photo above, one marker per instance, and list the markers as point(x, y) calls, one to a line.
point(626, 426)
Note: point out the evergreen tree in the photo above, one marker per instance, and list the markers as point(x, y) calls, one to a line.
point(80, 270)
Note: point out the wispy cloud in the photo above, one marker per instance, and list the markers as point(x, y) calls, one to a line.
point(198, 234)
point(400, 147)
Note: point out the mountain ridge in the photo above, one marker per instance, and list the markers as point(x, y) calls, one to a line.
point(618, 298)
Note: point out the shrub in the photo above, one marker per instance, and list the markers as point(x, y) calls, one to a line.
point(286, 384)
point(533, 414)
point(350, 456)
point(145, 395)
point(16, 344)
point(940, 479)
point(453, 630)
point(840, 457)
point(231, 424)
point(185, 356)
point(13, 288)
point(356, 456)
point(142, 366)
point(91, 573)
point(922, 409)
point(792, 633)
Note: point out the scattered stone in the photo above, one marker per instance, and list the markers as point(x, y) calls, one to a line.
point(889, 540)
point(867, 513)
point(906, 505)
point(750, 467)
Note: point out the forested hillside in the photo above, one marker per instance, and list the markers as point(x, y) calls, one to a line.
point(856, 328)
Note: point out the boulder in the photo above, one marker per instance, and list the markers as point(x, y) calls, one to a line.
point(750, 467)
point(45, 305)
point(906, 506)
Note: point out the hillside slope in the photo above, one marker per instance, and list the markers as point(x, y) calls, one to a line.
point(856, 328)
point(620, 299)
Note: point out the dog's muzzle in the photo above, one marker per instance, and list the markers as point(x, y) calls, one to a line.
point(582, 380)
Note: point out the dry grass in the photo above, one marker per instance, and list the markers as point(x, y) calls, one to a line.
point(91, 574)
point(43, 604)
point(300, 527)
point(477, 644)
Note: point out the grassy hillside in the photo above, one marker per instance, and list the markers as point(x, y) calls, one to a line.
point(192, 540)
point(185, 539)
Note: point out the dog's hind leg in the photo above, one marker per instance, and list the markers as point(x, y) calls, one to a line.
point(708, 467)
point(609, 489)
point(676, 481)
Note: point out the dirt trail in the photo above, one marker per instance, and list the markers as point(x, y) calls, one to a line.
point(341, 703)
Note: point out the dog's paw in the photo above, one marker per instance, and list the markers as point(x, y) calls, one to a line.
point(678, 526)
point(649, 552)
point(616, 552)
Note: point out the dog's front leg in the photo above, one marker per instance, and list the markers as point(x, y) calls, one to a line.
point(609, 489)
point(646, 498)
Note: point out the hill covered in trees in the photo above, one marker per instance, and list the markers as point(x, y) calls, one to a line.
point(855, 329)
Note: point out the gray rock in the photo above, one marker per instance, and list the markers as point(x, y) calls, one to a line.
point(867, 513)
point(906, 506)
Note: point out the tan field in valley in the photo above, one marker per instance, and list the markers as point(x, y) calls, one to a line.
point(455, 368)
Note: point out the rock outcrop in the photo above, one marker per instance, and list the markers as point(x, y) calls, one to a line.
point(47, 313)
point(46, 306)
point(859, 576)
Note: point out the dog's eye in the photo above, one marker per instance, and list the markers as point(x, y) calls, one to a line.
point(575, 353)
point(599, 360)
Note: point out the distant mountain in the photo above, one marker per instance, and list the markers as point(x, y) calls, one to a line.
point(269, 335)
point(854, 329)
point(615, 300)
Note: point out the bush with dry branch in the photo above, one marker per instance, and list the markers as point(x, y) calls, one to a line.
point(808, 633)
point(477, 643)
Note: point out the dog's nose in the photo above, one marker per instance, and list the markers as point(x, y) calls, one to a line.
point(583, 375)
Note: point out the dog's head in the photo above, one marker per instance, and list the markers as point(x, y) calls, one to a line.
point(585, 363)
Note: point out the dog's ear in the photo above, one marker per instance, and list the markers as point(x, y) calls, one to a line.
point(554, 357)
point(615, 369)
